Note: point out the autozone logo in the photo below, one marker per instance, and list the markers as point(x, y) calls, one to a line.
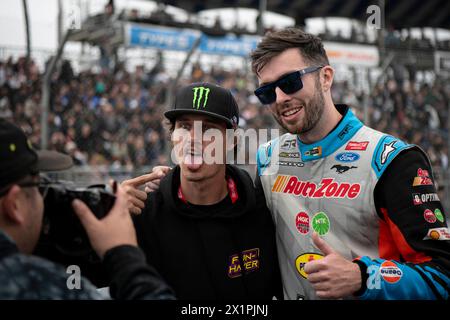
point(327, 188)
point(422, 179)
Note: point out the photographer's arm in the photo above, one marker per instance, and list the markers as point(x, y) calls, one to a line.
point(114, 240)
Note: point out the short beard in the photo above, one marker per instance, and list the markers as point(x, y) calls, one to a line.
point(313, 111)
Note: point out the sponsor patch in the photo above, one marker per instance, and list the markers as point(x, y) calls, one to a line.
point(347, 157)
point(314, 152)
point(422, 179)
point(390, 272)
point(344, 131)
point(357, 146)
point(288, 144)
point(302, 222)
point(250, 263)
point(429, 216)
point(327, 188)
point(321, 223)
point(438, 234)
point(439, 215)
point(419, 198)
point(304, 259)
point(388, 149)
point(341, 169)
point(416, 199)
point(291, 164)
point(294, 155)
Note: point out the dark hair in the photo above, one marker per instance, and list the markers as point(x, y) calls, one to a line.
point(274, 43)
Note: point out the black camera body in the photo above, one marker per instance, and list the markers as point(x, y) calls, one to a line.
point(63, 238)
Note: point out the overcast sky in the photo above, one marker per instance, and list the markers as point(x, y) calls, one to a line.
point(43, 19)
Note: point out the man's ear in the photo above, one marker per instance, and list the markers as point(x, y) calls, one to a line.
point(11, 206)
point(327, 79)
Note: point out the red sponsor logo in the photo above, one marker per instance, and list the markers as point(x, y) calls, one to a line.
point(429, 216)
point(302, 222)
point(422, 179)
point(390, 272)
point(327, 188)
point(416, 199)
point(358, 146)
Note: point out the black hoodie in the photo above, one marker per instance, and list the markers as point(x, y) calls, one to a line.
point(199, 249)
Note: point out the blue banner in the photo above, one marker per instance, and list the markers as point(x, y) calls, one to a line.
point(161, 38)
point(228, 45)
point(183, 40)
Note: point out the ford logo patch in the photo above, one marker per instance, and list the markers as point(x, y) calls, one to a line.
point(347, 157)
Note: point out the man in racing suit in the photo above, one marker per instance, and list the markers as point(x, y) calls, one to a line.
point(356, 210)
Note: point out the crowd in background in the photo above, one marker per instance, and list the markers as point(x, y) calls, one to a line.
point(115, 118)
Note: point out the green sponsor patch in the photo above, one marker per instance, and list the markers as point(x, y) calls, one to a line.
point(321, 223)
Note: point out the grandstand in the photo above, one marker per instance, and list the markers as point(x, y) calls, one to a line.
point(107, 113)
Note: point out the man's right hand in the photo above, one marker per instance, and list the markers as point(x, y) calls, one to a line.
point(153, 185)
point(151, 181)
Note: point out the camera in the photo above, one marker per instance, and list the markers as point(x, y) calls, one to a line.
point(63, 238)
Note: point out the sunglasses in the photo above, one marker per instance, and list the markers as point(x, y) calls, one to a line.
point(289, 84)
point(43, 184)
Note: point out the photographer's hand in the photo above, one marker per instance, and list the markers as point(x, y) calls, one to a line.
point(138, 197)
point(115, 229)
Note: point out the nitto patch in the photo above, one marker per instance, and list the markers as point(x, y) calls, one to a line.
point(304, 259)
point(291, 164)
point(321, 223)
point(302, 222)
point(390, 272)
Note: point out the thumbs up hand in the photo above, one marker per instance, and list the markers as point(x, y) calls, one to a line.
point(332, 277)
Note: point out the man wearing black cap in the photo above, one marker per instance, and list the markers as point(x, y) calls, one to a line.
point(23, 276)
point(206, 230)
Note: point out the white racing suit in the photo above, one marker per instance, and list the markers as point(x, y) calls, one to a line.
point(371, 197)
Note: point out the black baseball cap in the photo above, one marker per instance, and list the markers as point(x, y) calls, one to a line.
point(208, 99)
point(18, 158)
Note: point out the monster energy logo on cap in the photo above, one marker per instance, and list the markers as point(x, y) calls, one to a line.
point(200, 94)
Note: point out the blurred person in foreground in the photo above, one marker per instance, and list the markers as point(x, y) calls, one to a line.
point(206, 230)
point(24, 276)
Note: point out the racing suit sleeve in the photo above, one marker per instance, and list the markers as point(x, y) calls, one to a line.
point(131, 276)
point(414, 238)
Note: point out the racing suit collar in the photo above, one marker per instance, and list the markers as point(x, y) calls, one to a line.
point(340, 135)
